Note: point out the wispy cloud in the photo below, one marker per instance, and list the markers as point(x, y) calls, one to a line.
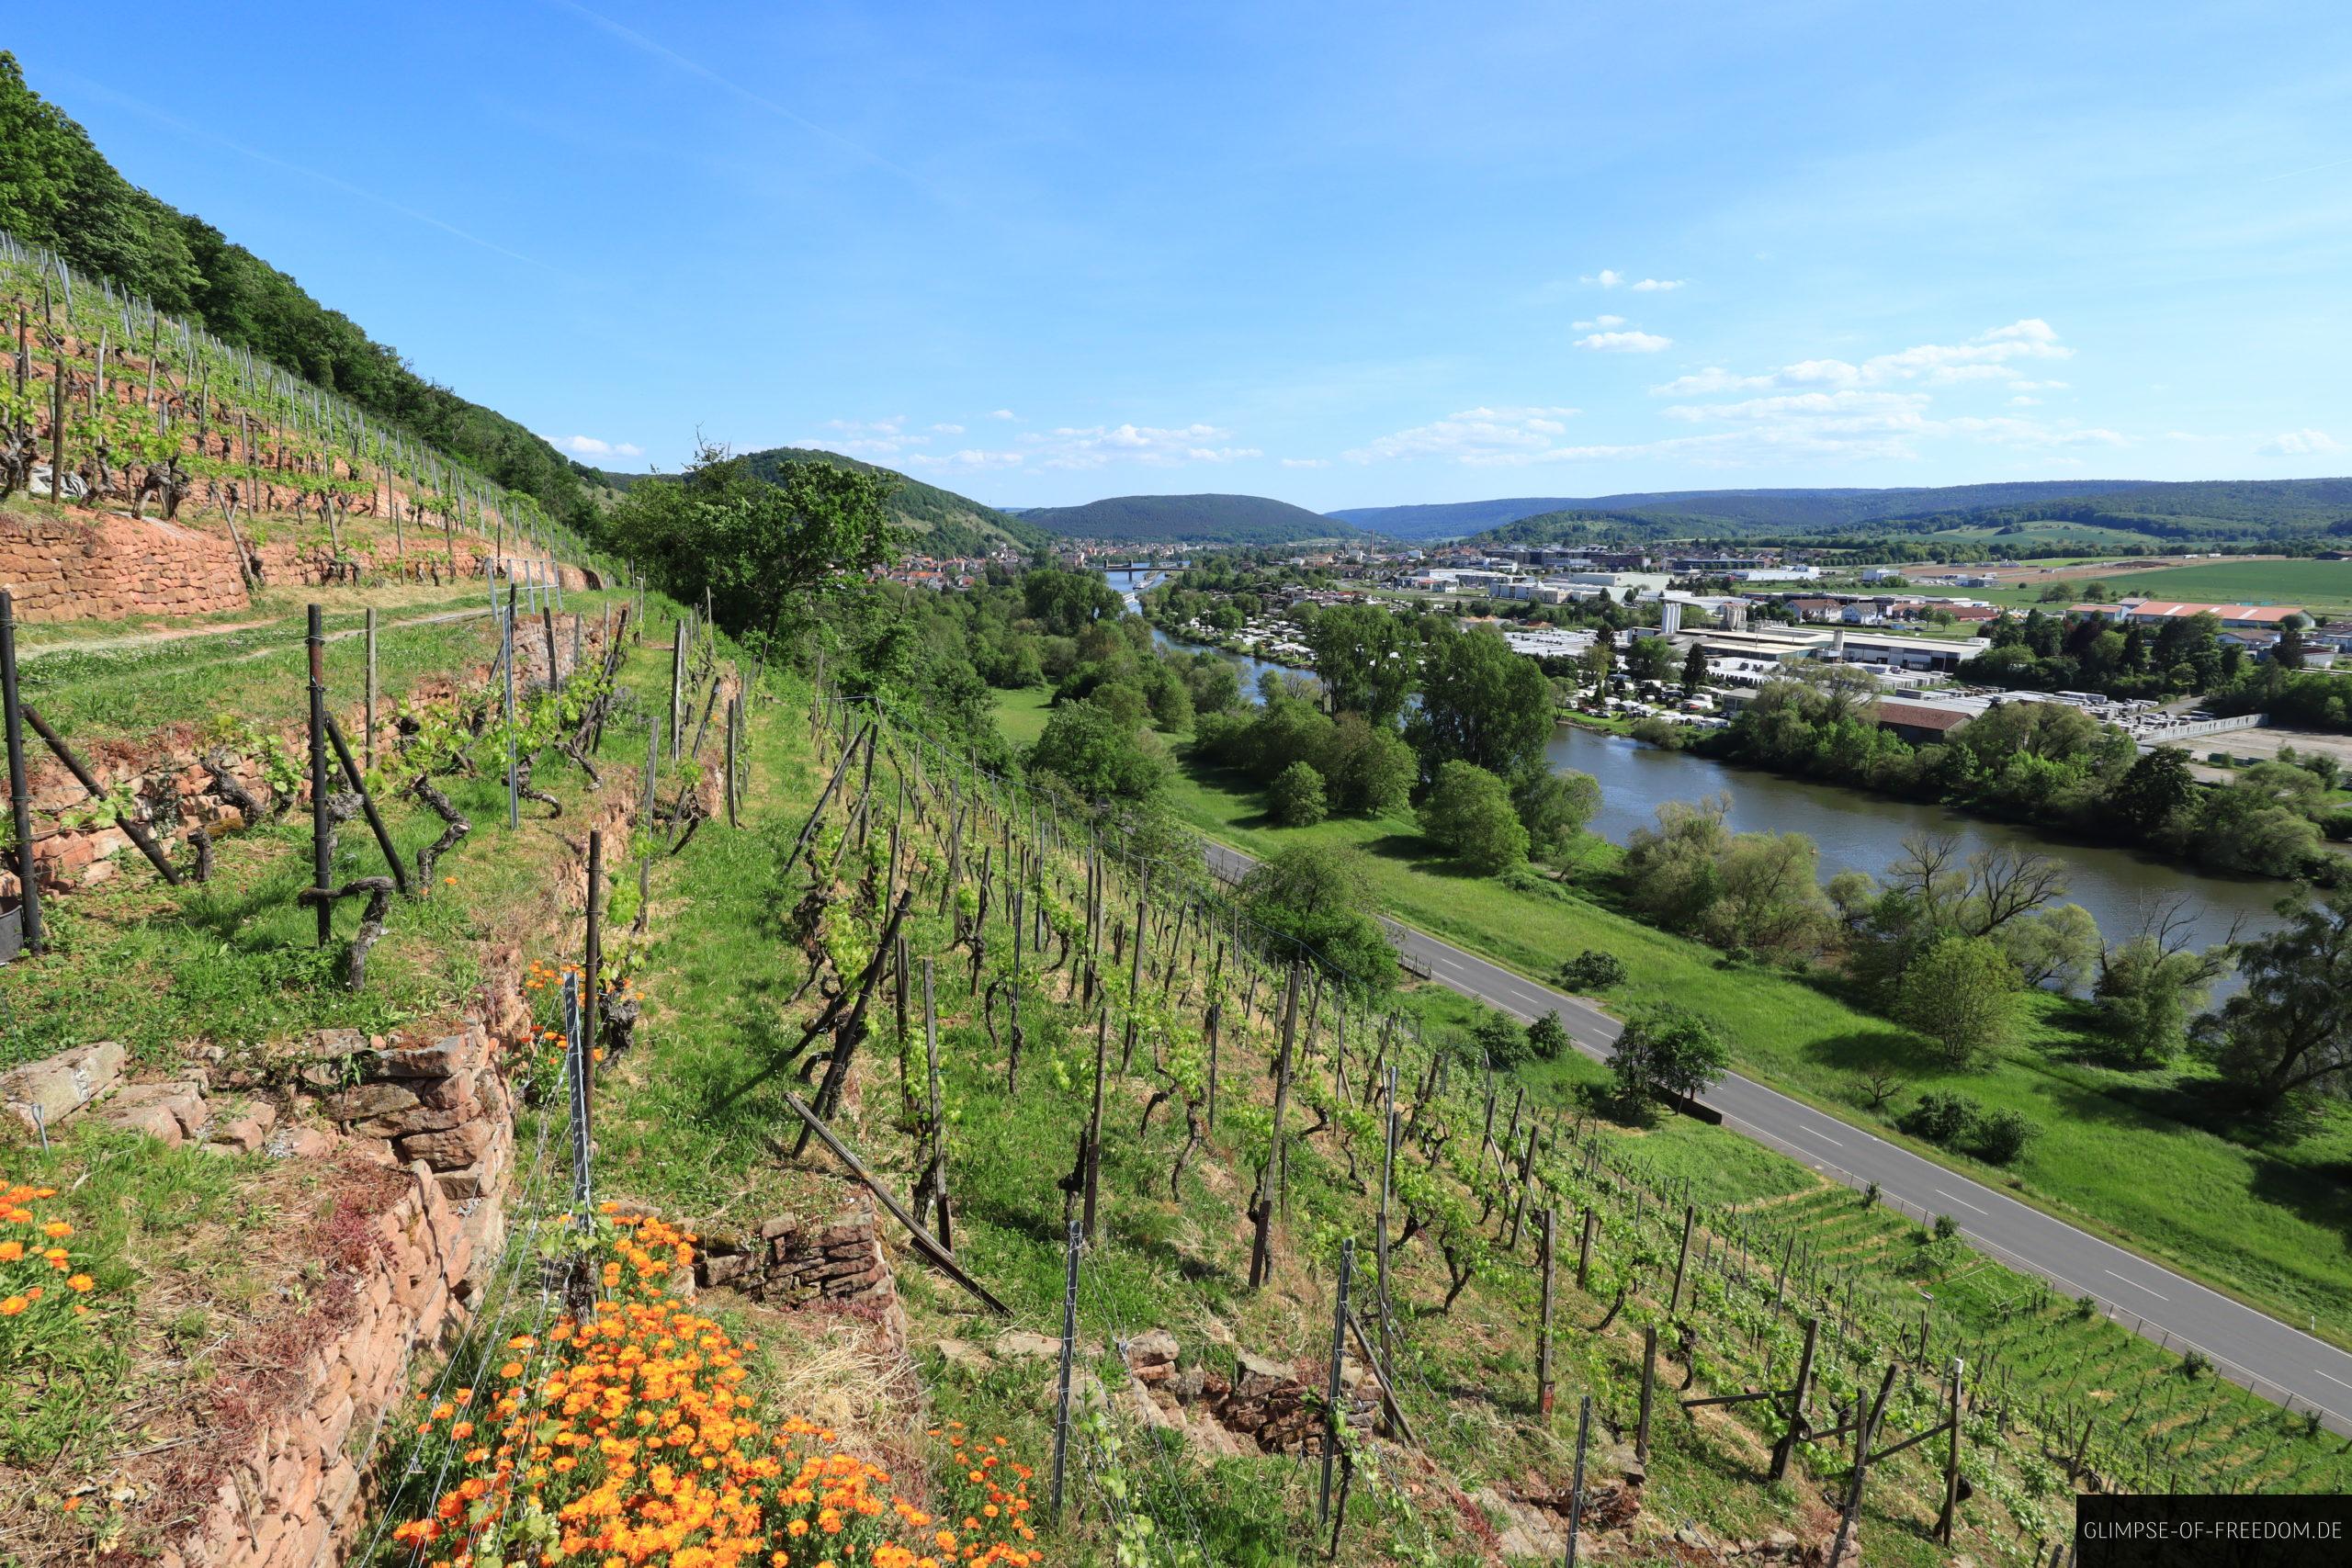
point(669, 56)
point(1306, 462)
point(1658, 285)
point(1099, 446)
point(1624, 342)
point(198, 133)
point(1480, 435)
point(2299, 444)
point(1599, 321)
point(1002, 413)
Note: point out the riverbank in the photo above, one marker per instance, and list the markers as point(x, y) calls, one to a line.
point(2122, 1154)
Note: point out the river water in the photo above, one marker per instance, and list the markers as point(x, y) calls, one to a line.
point(1857, 831)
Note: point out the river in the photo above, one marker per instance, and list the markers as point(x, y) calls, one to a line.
point(1130, 583)
point(1855, 830)
point(1858, 831)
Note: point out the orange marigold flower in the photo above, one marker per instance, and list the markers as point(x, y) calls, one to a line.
point(82, 1282)
point(11, 1250)
point(13, 1305)
point(57, 1230)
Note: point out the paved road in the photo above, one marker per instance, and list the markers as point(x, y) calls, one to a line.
point(2282, 1363)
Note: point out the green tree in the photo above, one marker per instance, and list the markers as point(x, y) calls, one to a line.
point(1365, 658)
point(1481, 704)
point(766, 553)
point(1368, 767)
point(1295, 798)
point(2286, 1037)
point(2154, 793)
point(1962, 994)
point(1694, 670)
point(2056, 946)
point(1469, 812)
point(1650, 658)
point(2148, 988)
point(1667, 1051)
point(1099, 754)
point(1547, 1037)
point(1555, 807)
point(1500, 1043)
point(1314, 896)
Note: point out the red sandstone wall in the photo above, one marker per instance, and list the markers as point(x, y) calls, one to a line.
point(105, 566)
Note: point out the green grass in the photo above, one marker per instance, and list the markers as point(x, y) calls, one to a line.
point(2122, 1154)
point(2323, 587)
point(1022, 715)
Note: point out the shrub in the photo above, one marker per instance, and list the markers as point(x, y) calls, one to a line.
point(1547, 1037)
point(2003, 1135)
point(1469, 812)
point(1940, 1117)
point(1946, 1227)
point(1593, 970)
point(2195, 1364)
point(1527, 880)
point(1502, 1042)
point(1295, 797)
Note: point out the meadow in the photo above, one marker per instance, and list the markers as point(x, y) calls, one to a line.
point(2323, 587)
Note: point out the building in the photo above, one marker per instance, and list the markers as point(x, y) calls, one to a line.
point(2235, 618)
point(1938, 653)
point(1919, 722)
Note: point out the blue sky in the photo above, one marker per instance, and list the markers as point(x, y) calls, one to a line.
point(1344, 255)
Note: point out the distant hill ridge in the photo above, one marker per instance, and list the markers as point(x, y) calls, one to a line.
point(2163, 508)
point(1190, 519)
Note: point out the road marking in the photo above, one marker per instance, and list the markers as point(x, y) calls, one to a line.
point(1801, 1127)
point(2332, 1378)
point(2135, 1284)
point(1961, 1201)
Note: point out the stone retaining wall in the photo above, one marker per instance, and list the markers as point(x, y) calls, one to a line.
point(289, 1502)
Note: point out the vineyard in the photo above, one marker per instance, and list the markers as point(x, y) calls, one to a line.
point(112, 409)
point(720, 1121)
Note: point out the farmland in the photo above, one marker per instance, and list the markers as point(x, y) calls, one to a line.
point(2324, 587)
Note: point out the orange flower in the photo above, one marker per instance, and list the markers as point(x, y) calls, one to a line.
point(11, 1250)
point(57, 1230)
point(13, 1305)
point(82, 1282)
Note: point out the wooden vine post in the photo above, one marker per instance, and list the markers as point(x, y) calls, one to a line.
point(19, 792)
point(368, 741)
point(593, 957)
point(1262, 1203)
point(1682, 1261)
point(1866, 1429)
point(1543, 1317)
point(1584, 1249)
point(1952, 1417)
point(1093, 1151)
point(1649, 1382)
point(1796, 1431)
point(1333, 1419)
point(322, 823)
point(1576, 1485)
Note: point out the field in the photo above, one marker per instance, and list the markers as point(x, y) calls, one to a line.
point(2323, 587)
point(2123, 1155)
point(2046, 534)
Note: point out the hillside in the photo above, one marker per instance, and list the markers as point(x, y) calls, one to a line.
point(2198, 509)
point(1190, 519)
point(951, 524)
point(57, 190)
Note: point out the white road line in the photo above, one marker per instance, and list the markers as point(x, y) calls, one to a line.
point(2332, 1378)
point(1801, 1127)
point(2135, 1284)
point(1959, 1200)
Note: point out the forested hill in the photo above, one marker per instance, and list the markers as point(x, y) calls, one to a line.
point(948, 523)
point(940, 522)
point(2194, 509)
point(1190, 519)
point(57, 190)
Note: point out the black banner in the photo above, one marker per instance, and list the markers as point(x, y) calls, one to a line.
point(2213, 1532)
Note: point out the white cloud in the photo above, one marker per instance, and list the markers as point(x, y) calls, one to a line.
point(2299, 444)
point(1306, 462)
point(2037, 386)
point(1002, 413)
point(1624, 343)
point(1092, 446)
point(1609, 277)
point(1480, 435)
point(590, 446)
point(869, 437)
point(948, 429)
point(1983, 358)
point(1599, 322)
point(970, 460)
point(2022, 402)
